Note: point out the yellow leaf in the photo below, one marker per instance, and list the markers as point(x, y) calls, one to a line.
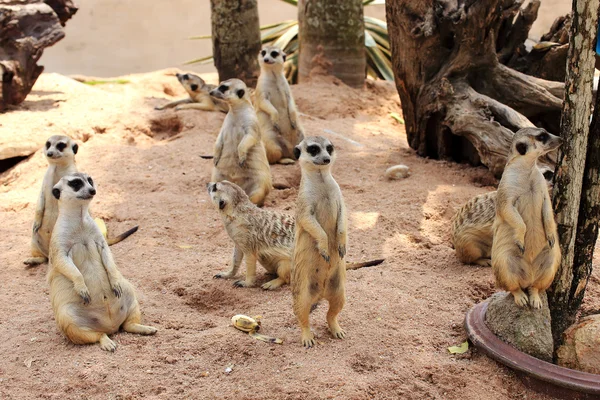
point(397, 117)
point(184, 246)
point(460, 349)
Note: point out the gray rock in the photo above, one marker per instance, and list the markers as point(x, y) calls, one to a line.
point(581, 348)
point(525, 328)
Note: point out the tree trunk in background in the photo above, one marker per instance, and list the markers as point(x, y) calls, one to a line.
point(332, 38)
point(459, 102)
point(26, 29)
point(236, 39)
point(569, 284)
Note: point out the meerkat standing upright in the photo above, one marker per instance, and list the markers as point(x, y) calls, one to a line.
point(199, 92)
point(60, 152)
point(275, 108)
point(318, 267)
point(525, 254)
point(89, 296)
point(239, 155)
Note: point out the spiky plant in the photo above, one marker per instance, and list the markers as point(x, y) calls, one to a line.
point(285, 36)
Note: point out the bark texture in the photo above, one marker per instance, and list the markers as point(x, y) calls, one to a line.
point(236, 39)
point(332, 39)
point(459, 101)
point(27, 27)
point(569, 284)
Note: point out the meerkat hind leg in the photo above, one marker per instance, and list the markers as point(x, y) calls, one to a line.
point(132, 323)
point(237, 258)
point(283, 276)
point(302, 307)
point(336, 297)
point(79, 335)
point(258, 196)
point(484, 262)
point(35, 261)
point(286, 161)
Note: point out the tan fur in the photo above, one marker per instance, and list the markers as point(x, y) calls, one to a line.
point(318, 267)
point(89, 296)
point(525, 254)
point(275, 108)
point(199, 92)
point(239, 155)
point(261, 235)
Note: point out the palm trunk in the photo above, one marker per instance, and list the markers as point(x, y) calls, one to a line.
point(332, 38)
point(236, 39)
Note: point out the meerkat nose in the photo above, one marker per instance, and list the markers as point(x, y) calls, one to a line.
point(326, 161)
point(93, 191)
point(49, 154)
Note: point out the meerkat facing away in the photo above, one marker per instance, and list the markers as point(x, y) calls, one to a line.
point(89, 296)
point(239, 155)
point(524, 250)
point(318, 267)
point(60, 152)
point(275, 108)
point(261, 235)
point(199, 92)
point(472, 232)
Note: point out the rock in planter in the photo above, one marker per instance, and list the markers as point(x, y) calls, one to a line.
point(525, 328)
point(397, 172)
point(581, 348)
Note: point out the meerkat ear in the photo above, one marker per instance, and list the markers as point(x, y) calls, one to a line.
point(56, 193)
point(75, 149)
point(297, 152)
point(521, 148)
point(241, 93)
point(283, 55)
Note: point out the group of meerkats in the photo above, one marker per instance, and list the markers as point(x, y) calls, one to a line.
point(512, 229)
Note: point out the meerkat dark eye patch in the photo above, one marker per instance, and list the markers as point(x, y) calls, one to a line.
point(297, 152)
point(221, 204)
point(313, 149)
point(274, 54)
point(329, 148)
point(522, 148)
point(194, 87)
point(222, 88)
point(76, 184)
point(90, 180)
point(213, 188)
point(75, 148)
point(185, 77)
point(543, 137)
point(47, 145)
point(56, 193)
point(548, 175)
point(262, 53)
point(241, 93)
point(61, 146)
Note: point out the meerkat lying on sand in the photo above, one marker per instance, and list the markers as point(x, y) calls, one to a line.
point(239, 155)
point(525, 254)
point(199, 92)
point(275, 108)
point(259, 235)
point(60, 152)
point(472, 232)
point(89, 296)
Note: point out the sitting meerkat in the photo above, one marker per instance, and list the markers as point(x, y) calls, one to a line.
point(239, 155)
point(472, 232)
point(199, 92)
point(524, 250)
point(275, 108)
point(89, 296)
point(259, 235)
point(318, 267)
point(60, 152)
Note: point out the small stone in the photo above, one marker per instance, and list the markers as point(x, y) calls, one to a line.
point(581, 348)
point(397, 172)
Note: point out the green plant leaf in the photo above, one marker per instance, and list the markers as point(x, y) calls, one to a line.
point(380, 63)
point(460, 349)
point(101, 82)
point(397, 117)
point(201, 61)
point(369, 41)
point(285, 39)
point(200, 37)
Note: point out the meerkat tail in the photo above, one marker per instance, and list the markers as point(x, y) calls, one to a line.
point(365, 264)
point(122, 236)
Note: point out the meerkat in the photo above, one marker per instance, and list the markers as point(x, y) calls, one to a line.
point(239, 154)
point(199, 92)
point(318, 267)
point(525, 254)
point(275, 108)
point(89, 296)
point(259, 235)
point(472, 232)
point(60, 152)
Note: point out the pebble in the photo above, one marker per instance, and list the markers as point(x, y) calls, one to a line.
point(397, 172)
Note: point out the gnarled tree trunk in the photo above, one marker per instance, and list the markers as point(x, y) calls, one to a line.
point(26, 28)
point(236, 39)
point(332, 39)
point(577, 221)
point(459, 101)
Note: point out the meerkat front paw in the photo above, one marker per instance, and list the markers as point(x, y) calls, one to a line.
point(107, 345)
point(520, 298)
point(520, 246)
point(84, 293)
point(342, 250)
point(247, 283)
point(535, 301)
point(224, 275)
point(116, 288)
point(242, 162)
point(551, 240)
point(36, 226)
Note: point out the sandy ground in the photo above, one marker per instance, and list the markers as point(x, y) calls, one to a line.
point(400, 316)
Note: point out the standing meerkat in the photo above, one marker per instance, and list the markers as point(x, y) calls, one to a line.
point(275, 108)
point(524, 250)
point(89, 296)
point(318, 267)
point(261, 235)
point(199, 92)
point(472, 232)
point(239, 155)
point(60, 152)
